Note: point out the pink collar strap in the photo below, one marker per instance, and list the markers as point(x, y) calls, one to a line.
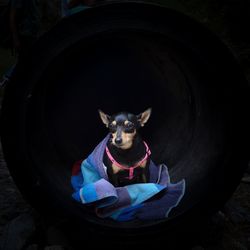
point(130, 168)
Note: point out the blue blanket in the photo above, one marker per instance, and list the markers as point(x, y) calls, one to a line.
point(143, 201)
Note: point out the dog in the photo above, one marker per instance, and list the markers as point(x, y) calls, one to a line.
point(126, 156)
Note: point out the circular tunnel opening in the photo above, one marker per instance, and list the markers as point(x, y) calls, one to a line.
point(114, 72)
point(114, 59)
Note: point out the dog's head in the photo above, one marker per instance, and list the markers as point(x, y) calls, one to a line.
point(123, 126)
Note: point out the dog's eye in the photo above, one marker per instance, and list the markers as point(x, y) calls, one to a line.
point(112, 126)
point(129, 125)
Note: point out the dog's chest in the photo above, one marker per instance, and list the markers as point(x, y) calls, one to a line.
point(127, 167)
point(128, 174)
point(136, 168)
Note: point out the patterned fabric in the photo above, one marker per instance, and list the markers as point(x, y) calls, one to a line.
point(144, 201)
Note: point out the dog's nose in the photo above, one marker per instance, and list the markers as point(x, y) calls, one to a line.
point(118, 141)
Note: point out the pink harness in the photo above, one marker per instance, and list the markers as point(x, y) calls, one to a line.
point(131, 168)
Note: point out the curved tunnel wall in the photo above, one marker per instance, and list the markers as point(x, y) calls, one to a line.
point(127, 57)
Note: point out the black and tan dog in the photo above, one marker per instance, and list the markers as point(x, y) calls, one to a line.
point(127, 155)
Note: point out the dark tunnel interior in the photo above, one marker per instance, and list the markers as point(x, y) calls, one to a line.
point(128, 71)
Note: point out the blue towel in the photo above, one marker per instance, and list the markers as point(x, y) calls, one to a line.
point(144, 201)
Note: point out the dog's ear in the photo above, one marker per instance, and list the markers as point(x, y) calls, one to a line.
point(144, 116)
point(105, 118)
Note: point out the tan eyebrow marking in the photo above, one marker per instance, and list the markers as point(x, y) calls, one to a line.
point(126, 122)
point(113, 123)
